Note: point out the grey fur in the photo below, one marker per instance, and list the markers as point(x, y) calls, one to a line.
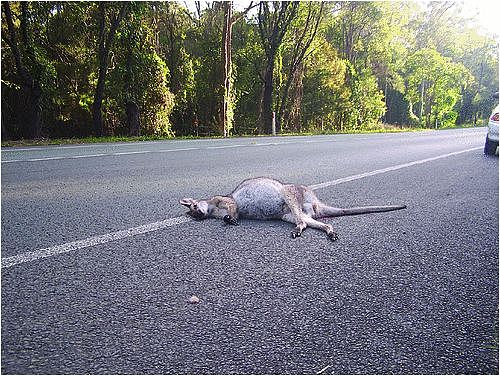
point(266, 198)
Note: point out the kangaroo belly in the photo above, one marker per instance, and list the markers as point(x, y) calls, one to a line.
point(259, 199)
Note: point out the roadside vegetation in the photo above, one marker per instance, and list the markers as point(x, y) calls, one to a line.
point(110, 139)
point(125, 71)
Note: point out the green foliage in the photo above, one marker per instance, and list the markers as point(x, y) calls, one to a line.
point(368, 63)
point(147, 85)
point(73, 58)
point(326, 96)
point(140, 75)
point(173, 30)
point(435, 83)
point(367, 101)
point(248, 58)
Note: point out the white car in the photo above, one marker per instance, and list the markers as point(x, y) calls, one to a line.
point(490, 147)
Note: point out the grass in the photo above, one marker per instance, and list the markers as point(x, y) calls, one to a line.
point(84, 140)
point(385, 128)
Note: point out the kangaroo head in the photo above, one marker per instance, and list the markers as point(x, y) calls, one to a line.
point(197, 209)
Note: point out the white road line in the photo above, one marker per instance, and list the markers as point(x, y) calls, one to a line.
point(82, 156)
point(387, 169)
point(323, 370)
point(59, 147)
point(7, 262)
point(131, 152)
point(154, 151)
point(96, 145)
point(136, 152)
point(35, 159)
point(226, 146)
point(99, 155)
point(171, 150)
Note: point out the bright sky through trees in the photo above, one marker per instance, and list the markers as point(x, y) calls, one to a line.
point(487, 13)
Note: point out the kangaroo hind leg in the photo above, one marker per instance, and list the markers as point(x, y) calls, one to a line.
point(300, 224)
point(311, 222)
point(294, 199)
point(305, 221)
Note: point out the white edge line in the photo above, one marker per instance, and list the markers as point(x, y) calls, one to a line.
point(130, 152)
point(154, 151)
point(387, 169)
point(225, 146)
point(171, 150)
point(8, 262)
point(121, 153)
point(323, 370)
point(97, 155)
point(79, 156)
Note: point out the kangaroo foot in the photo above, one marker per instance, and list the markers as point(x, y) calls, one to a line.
point(296, 233)
point(333, 236)
point(230, 220)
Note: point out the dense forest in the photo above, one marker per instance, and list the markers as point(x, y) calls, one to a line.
point(75, 69)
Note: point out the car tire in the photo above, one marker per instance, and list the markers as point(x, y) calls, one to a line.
point(490, 147)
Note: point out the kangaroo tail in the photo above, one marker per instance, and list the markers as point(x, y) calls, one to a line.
point(328, 211)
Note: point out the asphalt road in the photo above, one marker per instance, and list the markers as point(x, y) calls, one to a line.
point(411, 291)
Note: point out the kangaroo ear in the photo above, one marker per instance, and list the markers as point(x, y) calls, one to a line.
point(186, 202)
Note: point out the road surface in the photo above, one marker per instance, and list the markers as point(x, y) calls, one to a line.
point(99, 260)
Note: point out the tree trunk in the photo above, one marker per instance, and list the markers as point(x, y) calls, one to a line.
point(272, 29)
point(98, 97)
point(31, 91)
point(480, 83)
point(133, 122)
point(295, 115)
point(227, 61)
point(105, 43)
point(103, 67)
point(267, 100)
point(283, 102)
point(384, 117)
point(227, 36)
point(422, 100)
point(304, 40)
point(33, 115)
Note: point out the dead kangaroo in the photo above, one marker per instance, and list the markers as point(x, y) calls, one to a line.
point(266, 198)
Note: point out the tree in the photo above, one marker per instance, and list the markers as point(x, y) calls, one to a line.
point(303, 35)
point(138, 80)
point(434, 82)
point(69, 46)
point(274, 22)
point(357, 31)
point(249, 60)
point(30, 118)
point(72, 69)
point(106, 38)
point(202, 46)
point(173, 28)
point(479, 54)
point(227, 32)
point(354, 29)
point(326, 97)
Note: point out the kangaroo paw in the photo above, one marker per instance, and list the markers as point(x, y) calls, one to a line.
point(296, 233)
point(333, 236)
point(230, 220)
